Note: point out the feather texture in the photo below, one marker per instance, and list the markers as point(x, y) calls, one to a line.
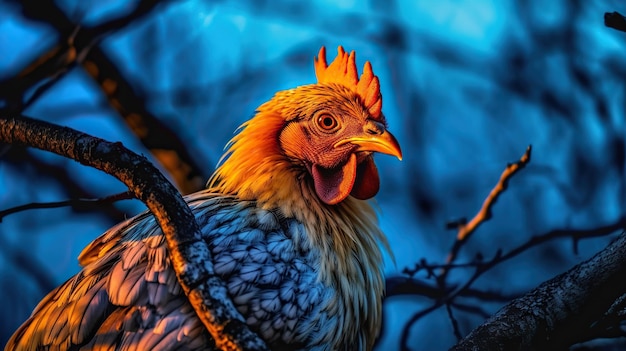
point(127, 297)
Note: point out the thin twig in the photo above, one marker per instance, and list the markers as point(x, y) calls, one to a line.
point(27, 161)
point(455, 323)
point(482, 267)
point(127, 195)
point(405, 331)
point(465, 230)
point(403, 286)
point(484, 214)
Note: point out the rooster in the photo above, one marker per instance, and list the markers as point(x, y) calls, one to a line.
point(286, 220)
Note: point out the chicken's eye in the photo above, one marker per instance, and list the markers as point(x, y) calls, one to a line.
point(327, 122)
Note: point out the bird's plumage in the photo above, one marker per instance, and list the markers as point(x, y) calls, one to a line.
point(300, 257)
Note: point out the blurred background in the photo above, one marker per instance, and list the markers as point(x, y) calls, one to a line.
point(467, 86)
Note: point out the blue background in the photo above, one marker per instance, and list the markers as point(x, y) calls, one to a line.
point(467, 85)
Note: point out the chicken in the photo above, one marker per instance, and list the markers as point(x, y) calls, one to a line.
point(286, 219)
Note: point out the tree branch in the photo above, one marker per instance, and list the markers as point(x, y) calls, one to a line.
point(484, 214)
point(561, 311)
point(446, 293)
point(71, 202)
point(465, 230)
point(190, 256)
point(82, 47)
point(25, 161)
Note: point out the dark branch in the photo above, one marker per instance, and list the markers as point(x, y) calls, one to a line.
point(405, 331)
point(83, 48)
point(615, 20)
point(559, 312)
point(75, 44)
point(191, 258)
point(403, 286)
point(72, 202)
point(448, 294)
point(455, 323)
point(26, 161)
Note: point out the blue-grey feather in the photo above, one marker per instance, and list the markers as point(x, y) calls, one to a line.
point(127, 296)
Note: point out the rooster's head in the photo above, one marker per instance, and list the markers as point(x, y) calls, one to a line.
point(329, 130)
point(333, 127)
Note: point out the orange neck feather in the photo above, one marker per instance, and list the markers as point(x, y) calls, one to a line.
point(256, 169)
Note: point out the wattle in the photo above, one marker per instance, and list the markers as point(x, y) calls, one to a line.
point(367, 183)
point(333, 185)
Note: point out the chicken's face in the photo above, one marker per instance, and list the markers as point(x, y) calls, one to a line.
point(326, 131)
point(332, 134)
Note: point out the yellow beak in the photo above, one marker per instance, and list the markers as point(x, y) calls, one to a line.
point(384, 143)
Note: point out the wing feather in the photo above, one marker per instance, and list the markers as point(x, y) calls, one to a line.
point(125, 285)
point(89, 312)
point(127, 296)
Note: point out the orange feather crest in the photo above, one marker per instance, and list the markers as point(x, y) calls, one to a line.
point(343, 71)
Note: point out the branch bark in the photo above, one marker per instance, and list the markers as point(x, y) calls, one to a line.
point(561, 311)
point(189, 254)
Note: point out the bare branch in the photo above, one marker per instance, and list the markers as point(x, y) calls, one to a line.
point(559, 312)
point(484, 214)
point(27, 161)
point(53, 64)
point(448, 294)
point(190, 256)
point(615, 20)
point(455, 323)
point(83, 48)
point(405, 330)
point(465, 230)
point(72, 202)
point(403, 286)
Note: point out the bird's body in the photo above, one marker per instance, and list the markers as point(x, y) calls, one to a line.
point(300, 257)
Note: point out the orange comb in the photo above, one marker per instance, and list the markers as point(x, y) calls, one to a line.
point(343, 71)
